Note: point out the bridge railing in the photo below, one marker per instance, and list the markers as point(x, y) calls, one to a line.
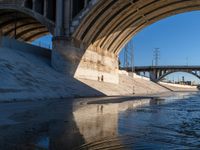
point(162, 67)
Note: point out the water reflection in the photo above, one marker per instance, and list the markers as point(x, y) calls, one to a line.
point(107, 123)
point(98, 123)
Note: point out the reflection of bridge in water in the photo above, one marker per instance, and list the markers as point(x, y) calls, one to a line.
point(156, 73)
point(98, 122)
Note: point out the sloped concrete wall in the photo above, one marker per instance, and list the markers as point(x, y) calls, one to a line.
point(178, 85)
point(17, 45)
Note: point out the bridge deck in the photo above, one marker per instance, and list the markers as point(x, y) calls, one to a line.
point(149, 68)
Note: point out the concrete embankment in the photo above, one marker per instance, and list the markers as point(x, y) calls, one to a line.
point(178, 87)
point(128, 85)
point(26, 75)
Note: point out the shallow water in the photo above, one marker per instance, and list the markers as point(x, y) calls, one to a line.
point(119, 123)
point(167, 123)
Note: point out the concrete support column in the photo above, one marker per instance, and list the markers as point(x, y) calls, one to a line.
point(45, 8)
point(98, 64)
point(85, 3)
point(157, 74)
point(67, 16)
point(34, 5)
point(59, 18)
point(153, 75)
point(160, 73)
point(65, 55)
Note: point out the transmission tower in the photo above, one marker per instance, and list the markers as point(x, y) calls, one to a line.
point(132, 56)
point(129, 61)
point(156, 56)
point(126, 64)
point(129, 56)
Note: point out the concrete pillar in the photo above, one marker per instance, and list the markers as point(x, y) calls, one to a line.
point(85, 3)
point(152, 76)
point(51, 4)
point(45, 8)
point(67, 16)
point(65, 55)
point(34, 5)
point(160, 73)
point(59, 18)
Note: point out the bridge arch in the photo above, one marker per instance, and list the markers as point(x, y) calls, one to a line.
point(170, 72)
point(29, 25)
point(109, 25)
point(105, 26)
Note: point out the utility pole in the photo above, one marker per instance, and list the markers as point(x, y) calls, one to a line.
point(156, 56)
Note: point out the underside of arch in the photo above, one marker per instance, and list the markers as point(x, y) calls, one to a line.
point(170, 72)
point(21, 26)
point(112, 23)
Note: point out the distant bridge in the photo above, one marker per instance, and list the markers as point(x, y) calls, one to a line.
point(157, 73)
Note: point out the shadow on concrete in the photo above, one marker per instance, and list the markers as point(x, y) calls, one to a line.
point(27, 74)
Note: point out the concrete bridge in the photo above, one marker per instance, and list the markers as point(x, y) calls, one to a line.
point(87, 34)
point(157, 73)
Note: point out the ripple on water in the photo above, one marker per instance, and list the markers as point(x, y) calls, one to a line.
point(169, 123)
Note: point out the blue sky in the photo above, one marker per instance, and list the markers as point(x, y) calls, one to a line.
point(178, 38)
point(45, 41)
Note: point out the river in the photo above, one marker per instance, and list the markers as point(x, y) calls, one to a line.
point(171, 122)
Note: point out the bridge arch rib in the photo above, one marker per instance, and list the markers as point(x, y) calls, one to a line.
point(110, 24)
point(170, 72)
point(23, 24)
